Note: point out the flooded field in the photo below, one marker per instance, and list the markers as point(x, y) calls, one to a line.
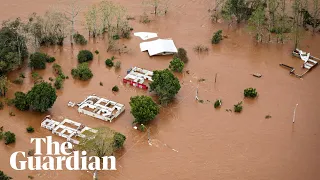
point(190, 140)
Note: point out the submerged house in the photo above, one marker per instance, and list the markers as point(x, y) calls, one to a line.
point(137, 77)
point(159, 47)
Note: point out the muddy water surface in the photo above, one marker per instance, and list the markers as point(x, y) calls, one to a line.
point(190, 140)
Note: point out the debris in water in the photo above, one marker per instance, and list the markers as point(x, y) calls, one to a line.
point(268, 116)
point(257, 75)
point(294, 113)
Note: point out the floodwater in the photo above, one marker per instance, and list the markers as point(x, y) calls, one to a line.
point(189, 140)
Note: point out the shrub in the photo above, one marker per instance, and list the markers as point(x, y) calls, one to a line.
point(22, 75)
point(51, 79)
point(143, 109)
point(19, 80)
point(79, 39)
point(218, 103)
point(30, 177)
point(97, 52)
point(115, 89)
point(117, 65)
point(36, 77)
point(9, 137)
point(20, 101)
point(101, 84)
point(1, 105)
point(118, 140)
point(200, 48)
point(217, 37)
point(9, 102)
point(30, 129)
point(58, 84)
point(4, 176)
point(38, 60)
point(144, 19)
point(250, 92)
point(57, 69)
point(176, 65)
point(82, 72)
point(85, 56)
point(109, 63)
point(50, 59)
point(238, 107)
point(182, 55)
point(115, 37)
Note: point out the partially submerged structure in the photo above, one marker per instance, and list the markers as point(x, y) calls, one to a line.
point(137, 77)
point(146, 35)
point(159, 47)
point(309, 62)
point(68, 129)
point(100, 108)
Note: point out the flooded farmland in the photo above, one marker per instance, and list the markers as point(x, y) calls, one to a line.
point(190, 140)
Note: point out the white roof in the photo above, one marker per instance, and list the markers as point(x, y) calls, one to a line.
point(146, 35)
point(159, 47)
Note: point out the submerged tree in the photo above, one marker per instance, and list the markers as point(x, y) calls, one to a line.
point(158, 6)
point(92, 20)
point(315, 15)
point(70, 14)
point(165, 85)
point(257, 23)
point(297, 22)
point(41, 97)
point(20, 101)
point(143, 109)
point(4, 85)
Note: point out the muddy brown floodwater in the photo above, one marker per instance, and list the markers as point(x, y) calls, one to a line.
point(190, 140)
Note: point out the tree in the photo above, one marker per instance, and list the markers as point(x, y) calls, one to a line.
point(4, 176)
point(215, 11)
point(165, 85)
point(98, 144)
point(20, 101)
point(257, 23)
point(79, 39)
point(119, 140)
point(4, 85)
point(82, 72)
point(70, 15)
point(182, 55)
point(41, 97)
point(12, 45)
point(297, 22)
point(85, 56)
point(92, 20)
point(143, 109)
point(315, 15)
point(9, 137)
point(282, 25)
point(158, 6)
point(217, 37)
point(38, 60)
point(234, 8)
point(176, 65)
point(58, 84)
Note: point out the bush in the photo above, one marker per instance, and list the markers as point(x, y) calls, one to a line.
point(218, 103)
point(82, 72)
point(51, 79)
point(165, 85)
point(176, 65)
point(21, 75)
point(182, 55)
point(9, 137)
point(85, 56)
point(58, 84)
point(30, 129)
point(79, 39)
point(19, 80)
point(109, 63)
point(97, 52)
point(38, 60)
point(4, 176)
point(118, 140)
point(115, 37)
point(115, 89)
point(117, 65)
point(250, 92)
point(57, 69)
point(50, 59)
point(41, 97)
point(217, 37)
point(36, 77)
point(200, 48)
point(1, 105)
point(20, 101)
point(238, 107)
point(143, 109)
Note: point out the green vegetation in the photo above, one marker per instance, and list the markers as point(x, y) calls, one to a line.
point(38, 60)
point(176, 65)
point(41, 97)
point(96, 52)
point(182, 55)
point(257, 22)
point(4, 85)
point(36, 77)
point(30, 129)
point(115, 88)
point(218, 103)
point(85, 56)
point(143, 109)
point(20, 101)
point(18, 80)
point(103, 143)
point(250, 92)
point(109, 63)
point(217, 37)
point(79, 39)
point(1, 105)
point(9, 137)
point(58, 84)
point(165, 85)
point(82, 72)
point(238, 107)
point(4, 176)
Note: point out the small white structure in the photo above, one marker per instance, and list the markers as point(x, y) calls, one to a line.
point(67, 129)
point(309, 61)
point(136, 77)
point(146, 35)
point(159, 47)
point(100, 108)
